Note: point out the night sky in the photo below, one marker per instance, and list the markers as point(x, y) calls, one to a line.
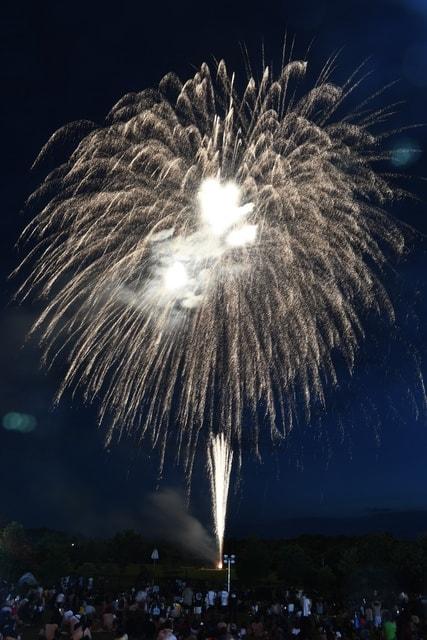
point(361, 466)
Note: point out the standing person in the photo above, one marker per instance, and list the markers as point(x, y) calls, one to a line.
point(389, 628)
point(175, 610)
point(232, 603)
point(108, 618)
point(81, 630)
point(187, 598)
point(120, 634)
point(141, 596)
point(198, 603)
point(60, 599)
point(73, 621)
point(53, 625)
point(376, 607)
point(305, 606)
point(291, 599)
point(210, 598)
point(155, 610)
point(223, 598)
point(257, 628)
point(8, 629)
point(166, 633)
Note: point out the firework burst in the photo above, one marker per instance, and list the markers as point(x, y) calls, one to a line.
point(208, 250)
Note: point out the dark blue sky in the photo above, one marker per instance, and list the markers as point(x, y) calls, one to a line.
point(356, 468)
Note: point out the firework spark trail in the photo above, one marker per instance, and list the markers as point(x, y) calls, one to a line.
point(220, 459)
point(208, 252)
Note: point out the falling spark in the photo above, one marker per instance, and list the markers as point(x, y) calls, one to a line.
point(220, 459)
point(208, 252)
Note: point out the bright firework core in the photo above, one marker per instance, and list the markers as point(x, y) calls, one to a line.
point(175, 277)
point(220, 207)
point(186, 261)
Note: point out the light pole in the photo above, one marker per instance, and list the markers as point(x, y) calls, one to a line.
point(155, 558)
point(229, 560)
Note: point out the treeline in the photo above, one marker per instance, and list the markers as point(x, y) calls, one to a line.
point(333, 566)
point(347, 567)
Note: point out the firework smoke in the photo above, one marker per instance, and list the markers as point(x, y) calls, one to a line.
point(220, 459)
point(166, 517)
point(210, 250)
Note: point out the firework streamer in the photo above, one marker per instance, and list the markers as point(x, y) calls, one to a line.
point(220, 460)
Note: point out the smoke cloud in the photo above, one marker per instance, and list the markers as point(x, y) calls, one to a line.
point(170, 521)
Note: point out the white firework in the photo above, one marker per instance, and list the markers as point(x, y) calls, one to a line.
point(220, 460)
point(207, 252)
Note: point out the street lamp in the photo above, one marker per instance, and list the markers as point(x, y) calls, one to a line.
point(229, 560)
point(155, 558)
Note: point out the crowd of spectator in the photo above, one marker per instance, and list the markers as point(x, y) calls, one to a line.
point(76, 609)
